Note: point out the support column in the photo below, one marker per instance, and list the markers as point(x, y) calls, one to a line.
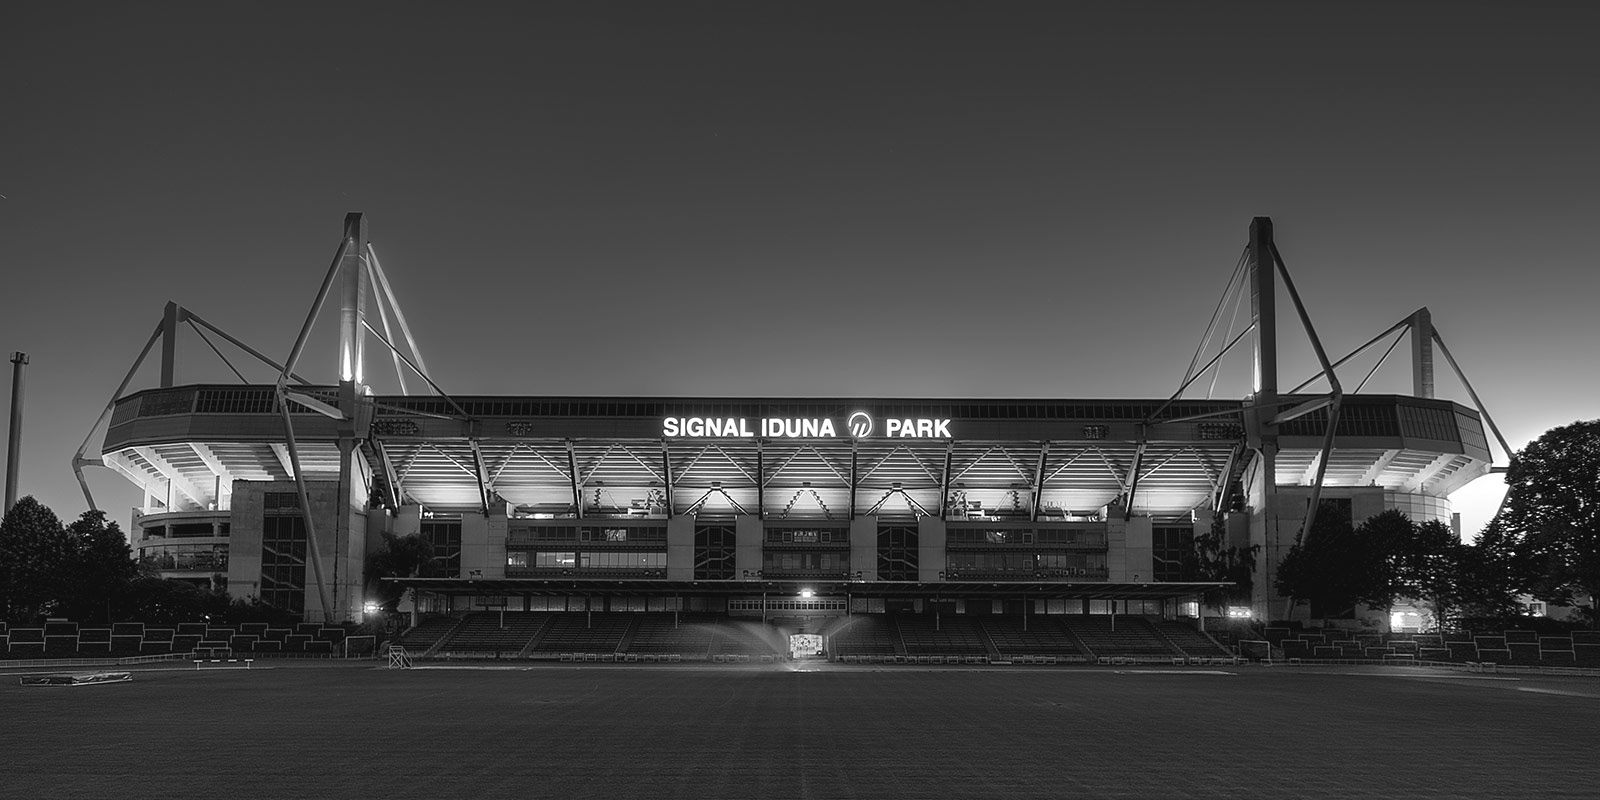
point(1422, 353)
point(14, 444)
point(1261, 436)
point(169, 344)
point(353, 497)
point(1264, 309)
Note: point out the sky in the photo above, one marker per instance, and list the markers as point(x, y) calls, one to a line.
point(938, 199)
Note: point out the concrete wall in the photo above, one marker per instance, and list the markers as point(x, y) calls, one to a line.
point(244, 540)
point(864, 547)
point(680, 548)
point(1137, 559)
point(495, 542)
point(747, 546)
point(930, 548)
point(342, 553)
point(475, 546)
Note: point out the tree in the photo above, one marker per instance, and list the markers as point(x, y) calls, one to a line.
point(1212, 559)
point(1328, 567)
point(103, 566)
point(165, 601)
point(1552, 514)
point(1409, 560)
point(398, 557)
point(1385, 548)
point(36, 561)
point(1489, 576)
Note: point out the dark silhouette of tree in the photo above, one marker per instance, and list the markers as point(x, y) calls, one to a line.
point(103, 567)
point(398, 557)
point(1212, 559)
point(1386, 558)
point(1328, 567)
point(1489, 576)
point(1409, 560)
point(1552, 514)
point(36, 562)
point(164, 601)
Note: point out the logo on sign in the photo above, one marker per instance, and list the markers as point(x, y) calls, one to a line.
point(860, 425)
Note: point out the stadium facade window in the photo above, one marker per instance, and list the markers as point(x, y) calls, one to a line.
point(987, 563)
point(1170, 547)
point(1078, 566)
point(555, 559)
point(283, 552)
point(807, 536)
point(445, 537)
point(897, 553)
point(714, 547)
point(806, 561)
point(1073, 537)
point(192, 530)
point(204, 557)
point(625, 559)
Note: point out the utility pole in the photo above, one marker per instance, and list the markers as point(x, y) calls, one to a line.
point(14, 443)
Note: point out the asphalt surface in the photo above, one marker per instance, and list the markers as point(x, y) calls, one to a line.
point(620, 731)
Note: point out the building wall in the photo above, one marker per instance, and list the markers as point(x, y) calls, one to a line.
point(864, 547)
point(339, 550)
point(475, 557)
point(931, 557)
point(747, 546)
point(680, 548)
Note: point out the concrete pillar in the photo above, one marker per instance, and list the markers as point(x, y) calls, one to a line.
point(931, 559)
point(1138, 557)
point(680, 548)
point(1422, 353)
point(864, 548)
point(748, 545)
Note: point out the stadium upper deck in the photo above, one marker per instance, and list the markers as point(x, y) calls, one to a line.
point(649, 457)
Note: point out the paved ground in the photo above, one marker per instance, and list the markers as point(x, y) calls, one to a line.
point(702, 732)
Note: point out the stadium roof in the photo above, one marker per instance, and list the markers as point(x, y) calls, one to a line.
point(619, 457)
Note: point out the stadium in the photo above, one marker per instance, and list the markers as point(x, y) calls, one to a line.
point(720, 527)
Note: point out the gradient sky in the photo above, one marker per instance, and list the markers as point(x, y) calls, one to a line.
point(940, 199)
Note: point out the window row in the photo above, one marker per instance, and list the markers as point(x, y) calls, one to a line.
point(603, 559)
point(185, 556)
point(1076, 537)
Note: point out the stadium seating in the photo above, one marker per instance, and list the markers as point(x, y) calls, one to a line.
point(1120, 637)
point(583, 632)
point(864, 635)
point(746, 638)
point(1188, 639)
point(499, 634)
point(945, 635)
point(425, 634)
point(26, 642)
point(94, 642)
point(127, 638)
point(1043, 636)
point(658, 633)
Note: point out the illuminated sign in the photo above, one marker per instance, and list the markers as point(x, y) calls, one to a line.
point(860, 425)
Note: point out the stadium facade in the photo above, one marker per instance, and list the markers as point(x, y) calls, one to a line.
point(798, 507)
